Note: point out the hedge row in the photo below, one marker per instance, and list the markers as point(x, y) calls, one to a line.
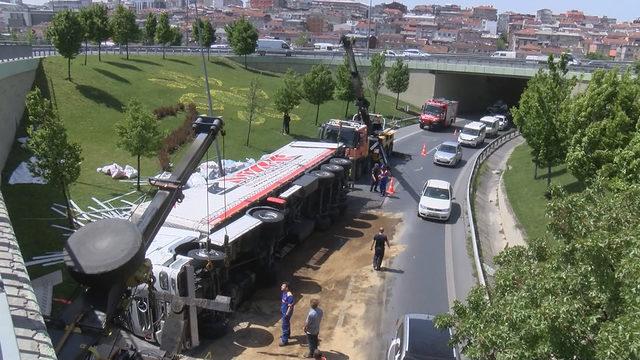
point(178, 137)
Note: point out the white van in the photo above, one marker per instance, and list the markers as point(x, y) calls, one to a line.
point(504, 54)
point(325, 47)
point(273, 46)
point(492, 123)
point(473, 134)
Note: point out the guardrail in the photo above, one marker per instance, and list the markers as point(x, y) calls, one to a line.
point(15, 51)
point(480, 158)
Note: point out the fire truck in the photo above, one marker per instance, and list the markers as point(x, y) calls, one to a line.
point(155, 285)
point(438, 113)
point(365, 137)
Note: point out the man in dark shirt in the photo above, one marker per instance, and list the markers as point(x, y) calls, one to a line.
point(285, 123)
point(378, 242)
point(375, 172)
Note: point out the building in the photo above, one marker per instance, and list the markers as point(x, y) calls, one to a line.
point(220, 4)
point(485, 12)
point(261, 4)
point(545, 16)
point(317, 24)
point(61, 5)
point(350, 8)
point(446, 35)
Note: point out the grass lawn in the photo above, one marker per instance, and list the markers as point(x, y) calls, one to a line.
point(91, 104)
point(526, 194)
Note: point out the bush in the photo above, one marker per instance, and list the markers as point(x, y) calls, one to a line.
point(178, 137)
point(164, 111)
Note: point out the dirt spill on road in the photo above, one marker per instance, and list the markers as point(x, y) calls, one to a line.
point(333, 266)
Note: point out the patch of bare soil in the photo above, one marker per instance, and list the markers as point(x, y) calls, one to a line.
point(334, 266)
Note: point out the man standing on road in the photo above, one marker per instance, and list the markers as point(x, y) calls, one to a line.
point(375, 173)
point(384, 177)
point(312, 326)
point(378, 242)
point(286, 309)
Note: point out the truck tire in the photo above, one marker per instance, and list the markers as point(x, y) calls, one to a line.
point(345, 163)
point(422, 126)
point(324, 177)
point(337, 170)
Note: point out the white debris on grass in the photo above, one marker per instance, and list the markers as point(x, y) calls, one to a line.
point(118, 172)
point(22, 174)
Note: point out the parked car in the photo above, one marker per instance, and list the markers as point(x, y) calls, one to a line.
point(448, 153)
point(414, 53)
point(418, 339)
point(435, 201)
point(491, 122)
point(472, 134)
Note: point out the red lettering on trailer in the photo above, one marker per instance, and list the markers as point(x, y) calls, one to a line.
point(259, 168)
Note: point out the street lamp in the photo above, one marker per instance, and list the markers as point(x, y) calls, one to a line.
point(369, 29)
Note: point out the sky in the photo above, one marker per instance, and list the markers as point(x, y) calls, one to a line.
point(619, 9)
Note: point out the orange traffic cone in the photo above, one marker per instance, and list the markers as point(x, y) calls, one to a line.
point(391, 188)
point(423, 152)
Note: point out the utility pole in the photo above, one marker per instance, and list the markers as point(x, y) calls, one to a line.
point(369, 29)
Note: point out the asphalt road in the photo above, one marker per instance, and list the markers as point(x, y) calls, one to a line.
point(435, 267)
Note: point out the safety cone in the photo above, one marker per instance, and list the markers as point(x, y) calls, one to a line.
point(391, 188)
point(423, 152)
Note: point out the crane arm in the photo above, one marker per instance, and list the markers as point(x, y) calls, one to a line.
point(356, 82)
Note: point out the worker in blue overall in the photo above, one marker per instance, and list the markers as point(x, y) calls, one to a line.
point(286, 309)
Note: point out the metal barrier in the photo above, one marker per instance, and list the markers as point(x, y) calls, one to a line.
point(480, 158)
point(15, 51)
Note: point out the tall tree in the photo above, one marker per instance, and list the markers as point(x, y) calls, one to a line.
point(318, 86)
point(288, 95)
point(164, 33)
point(101, 29)
point(603, 121)
point(138, 133)
point(124, 28)
point(397, 79)
point(572, 296)
point(252, 104)
point(176, 37)
point(344, 89)
point(243, 37)
point(88, 24)
point(204, 34)
point(66, 34)
point(150, 26)
point(541, 115)
point(376, 70)
point(58, 160)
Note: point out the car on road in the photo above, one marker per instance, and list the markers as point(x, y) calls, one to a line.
point(418, 339)
point(415, 53)
point(503, 122)
point(448, 153)
point(390, 53)
point(491, 123)
point(435, 201)
point(273, 46)
point(472, 134)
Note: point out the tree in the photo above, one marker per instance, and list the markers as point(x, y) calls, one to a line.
point(86, 20)
point(164, 33)
point(253, 103)
point(571, 296)
point(204, 34)
point(101, 29)
point(31, 36)
point(542, 113)
point(502, 43)
point(58, 160)
point(150, 26)
point(176, 39)
point(124, 28)
point(243, 37)
point(288, 96)
point(66, 34)
point(344, 89)
point(603, 121)
point(597, 56)
point(397, 79)
point(318, 86)
point(138, 133)
point(302, 39)
point(375, 76)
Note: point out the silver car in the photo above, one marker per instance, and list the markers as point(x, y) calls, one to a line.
point(448, 153)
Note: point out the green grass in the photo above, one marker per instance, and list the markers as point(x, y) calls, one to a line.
point(527, 195)
point(91, 104)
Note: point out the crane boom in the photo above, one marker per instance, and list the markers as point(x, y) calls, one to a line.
point(356, 82)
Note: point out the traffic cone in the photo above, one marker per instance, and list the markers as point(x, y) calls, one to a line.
point(423, 152)
point(391, 188)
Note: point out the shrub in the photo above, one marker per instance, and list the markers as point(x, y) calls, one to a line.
point(164, 111)
point(178, 137)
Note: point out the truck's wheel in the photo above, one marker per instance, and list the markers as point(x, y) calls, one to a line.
point(337, 170)
point(266, 214)
point(345, 163)
point(421, 126)
point(324, 177)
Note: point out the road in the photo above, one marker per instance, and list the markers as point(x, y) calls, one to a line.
point(435, 265)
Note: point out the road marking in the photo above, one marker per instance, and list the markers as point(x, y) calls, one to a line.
point(408, 135)
point(419, 169)
point(347, 295)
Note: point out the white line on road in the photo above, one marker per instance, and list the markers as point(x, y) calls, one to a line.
point(408, 135)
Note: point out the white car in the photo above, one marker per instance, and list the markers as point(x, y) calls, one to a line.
point(503, 123)
point(435, 202)
point(390, 53)
point(415, 53)
point(492, 123)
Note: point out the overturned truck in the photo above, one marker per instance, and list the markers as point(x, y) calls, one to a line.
point(210, 248)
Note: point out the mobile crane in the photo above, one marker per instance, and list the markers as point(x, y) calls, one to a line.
point(366, 141)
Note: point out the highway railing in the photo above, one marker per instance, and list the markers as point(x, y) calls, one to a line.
point(480, 158)
point(14, 51)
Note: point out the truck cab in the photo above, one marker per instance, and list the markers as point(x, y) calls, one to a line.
point(438, 113)
point(351, 134)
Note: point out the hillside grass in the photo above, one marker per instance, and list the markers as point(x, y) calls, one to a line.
point(527, 195)
point(92, 102)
